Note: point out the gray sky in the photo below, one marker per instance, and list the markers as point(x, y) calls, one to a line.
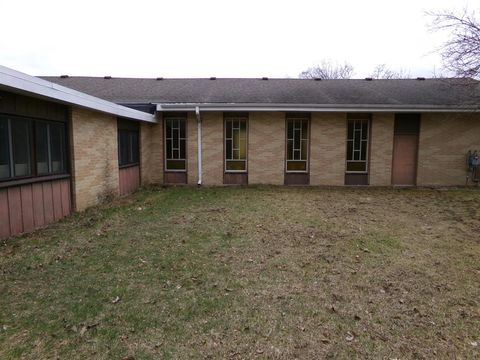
point(192, 38)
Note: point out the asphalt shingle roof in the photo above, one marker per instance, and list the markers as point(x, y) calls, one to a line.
point(429, 92)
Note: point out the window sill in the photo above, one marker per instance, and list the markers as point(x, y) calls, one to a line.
point(128, 165)
point(31, 180)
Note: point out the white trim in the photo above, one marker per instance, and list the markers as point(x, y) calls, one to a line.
point(313, 107)
point(16, 81)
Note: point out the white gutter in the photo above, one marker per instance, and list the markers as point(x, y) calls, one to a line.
point(199, 144)
point(314, 108)
point(12, 80)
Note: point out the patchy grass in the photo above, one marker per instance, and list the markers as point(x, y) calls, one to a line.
point(257, 272)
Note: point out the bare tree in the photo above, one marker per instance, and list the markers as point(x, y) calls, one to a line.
point(328, 70)
point(461, 52)
point(382, 72)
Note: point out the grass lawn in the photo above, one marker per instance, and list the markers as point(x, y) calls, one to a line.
point(241, 273)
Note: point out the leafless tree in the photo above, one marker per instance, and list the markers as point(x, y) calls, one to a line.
point(461, 52)
point(328, 70)
point(382, 72)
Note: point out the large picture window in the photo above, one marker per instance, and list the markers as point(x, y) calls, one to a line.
point(23, 139)
point(128, 144)
point(175, 143)
point(297, 143)
point(357, 144)
point(236, 143)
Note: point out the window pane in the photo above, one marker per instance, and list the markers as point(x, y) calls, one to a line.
point(350, 129)
point(304, 129)
point(168, 128)
point(356, 166)
point(304, 149)
point(236, 139)
point(135, 147)
point(238, 165)
point(57, 146)
point(175, 164)
point(364, 129)
point(290, 150)
point(21, 147)
point(4, 150)
point(296, 139)
point(296, 165)
point(350, 150)
point(228, 129)
point(290, 129)
point(41, 137)
point(183, 145)
point(357, 140)
point(228, 149)
point(123, 143)
point(364, 151)
point(169, 149)
point(182, 124)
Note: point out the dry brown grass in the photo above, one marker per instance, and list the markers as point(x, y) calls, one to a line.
point(241, 273)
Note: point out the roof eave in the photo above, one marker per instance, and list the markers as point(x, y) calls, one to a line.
point(162, 107)
point(15, 81)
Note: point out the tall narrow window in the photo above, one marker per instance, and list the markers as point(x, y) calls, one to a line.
point(21, 146)
point(357, 144)
point(128, 144)
point(297, 143)
point(4, 149)
point(175, 143)
point(50, 147)
point(235, 143)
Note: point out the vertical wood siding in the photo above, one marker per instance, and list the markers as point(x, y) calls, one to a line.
point(129, 178)
point(27, 207)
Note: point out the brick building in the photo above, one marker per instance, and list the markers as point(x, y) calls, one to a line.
point(67, 143)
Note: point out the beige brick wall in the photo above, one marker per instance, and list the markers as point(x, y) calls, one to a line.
point(94, 151)
point(192, 149)
point(266, 148)
point(444, 141)
point(327, 148)
point(381, 149)
point(212, 150)
point(151, 152)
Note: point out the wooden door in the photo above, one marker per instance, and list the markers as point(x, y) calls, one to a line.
point(405, 149)
point(405, 160)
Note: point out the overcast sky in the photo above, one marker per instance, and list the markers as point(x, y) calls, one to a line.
point(193, 38)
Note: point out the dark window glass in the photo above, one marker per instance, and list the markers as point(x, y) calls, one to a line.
point(57, 147)
point(175, 143)
point(41, 143)
point(21, 147)
point(297, 144)
point(4, 150)
point(236, 142)
point(357, 144)
point(128, 147)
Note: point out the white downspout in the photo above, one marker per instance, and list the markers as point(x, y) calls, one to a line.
point(199, 143)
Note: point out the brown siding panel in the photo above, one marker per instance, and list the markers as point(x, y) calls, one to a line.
point(15, 210)
point(57, 200)
point(38, 211)
point(48, 202)
point(4, 215)
point(27, 208)
point(129, 179)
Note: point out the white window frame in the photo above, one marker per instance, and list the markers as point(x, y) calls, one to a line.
point(233, 117)
point(165, 138)
point(287, 139)
point(367, 149)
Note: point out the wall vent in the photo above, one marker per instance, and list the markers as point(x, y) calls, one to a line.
point(159, 78)
point(264, 78)
point(107, 77)
point(213, 78)
point(368, 78)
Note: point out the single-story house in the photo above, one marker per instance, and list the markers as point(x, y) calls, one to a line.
point(67, 143)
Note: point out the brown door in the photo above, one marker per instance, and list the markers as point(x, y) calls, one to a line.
point(405, 149)
point(404, 160)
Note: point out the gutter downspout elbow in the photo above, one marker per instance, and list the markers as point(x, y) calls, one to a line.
point(199, 144)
